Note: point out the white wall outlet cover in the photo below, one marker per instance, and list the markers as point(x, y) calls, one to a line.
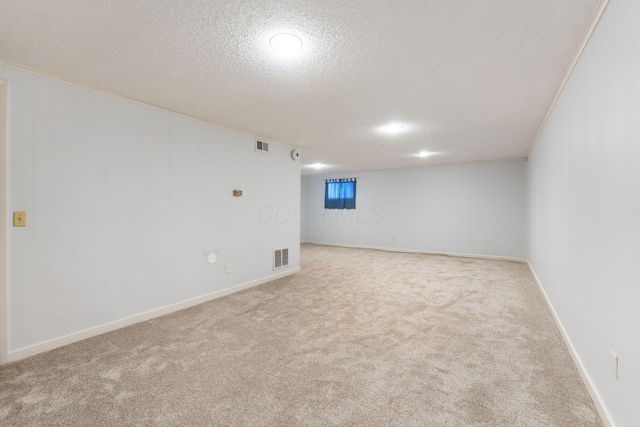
point(295, 155)
point(211, 258)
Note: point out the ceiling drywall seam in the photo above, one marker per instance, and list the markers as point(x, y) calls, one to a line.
point(155, 107)
point(597, 14)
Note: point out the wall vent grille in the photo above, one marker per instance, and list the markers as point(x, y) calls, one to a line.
point(262, 146)
point(280, 258)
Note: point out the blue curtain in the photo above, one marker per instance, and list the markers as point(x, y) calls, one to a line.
point(340, 193)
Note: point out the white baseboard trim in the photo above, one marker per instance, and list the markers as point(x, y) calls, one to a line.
point(416, 251)
point(586, 379)
point(148, 315)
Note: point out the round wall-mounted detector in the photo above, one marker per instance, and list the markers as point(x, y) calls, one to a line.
point(295, 155)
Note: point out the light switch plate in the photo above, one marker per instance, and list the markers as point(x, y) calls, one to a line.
point(19, 219)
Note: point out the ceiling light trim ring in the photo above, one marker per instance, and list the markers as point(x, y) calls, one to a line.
point(286, 43)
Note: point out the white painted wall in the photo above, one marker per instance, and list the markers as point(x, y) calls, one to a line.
point(122, 200)
point(471, 208)
point(584, 204)
point(300, 216)
point(4, 330)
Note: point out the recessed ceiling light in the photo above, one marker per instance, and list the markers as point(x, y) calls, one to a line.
point(317, 166)
point(393, 128)
point(286, 43)
point(423, 154)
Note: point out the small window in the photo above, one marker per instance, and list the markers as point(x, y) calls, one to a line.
point(340, 193)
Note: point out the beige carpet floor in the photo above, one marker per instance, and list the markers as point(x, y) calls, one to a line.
point(358, 338)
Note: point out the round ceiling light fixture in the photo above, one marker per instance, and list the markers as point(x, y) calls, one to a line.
point(423, 154)
point(285, 43)
point(317, 166)
point(393, 128)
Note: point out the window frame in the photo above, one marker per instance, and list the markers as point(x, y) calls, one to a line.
point(344, 200)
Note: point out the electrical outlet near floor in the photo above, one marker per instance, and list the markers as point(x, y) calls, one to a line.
point(227, 268)
point(614, 366)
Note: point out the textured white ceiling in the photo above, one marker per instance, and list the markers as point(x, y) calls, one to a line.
point(472, 80)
